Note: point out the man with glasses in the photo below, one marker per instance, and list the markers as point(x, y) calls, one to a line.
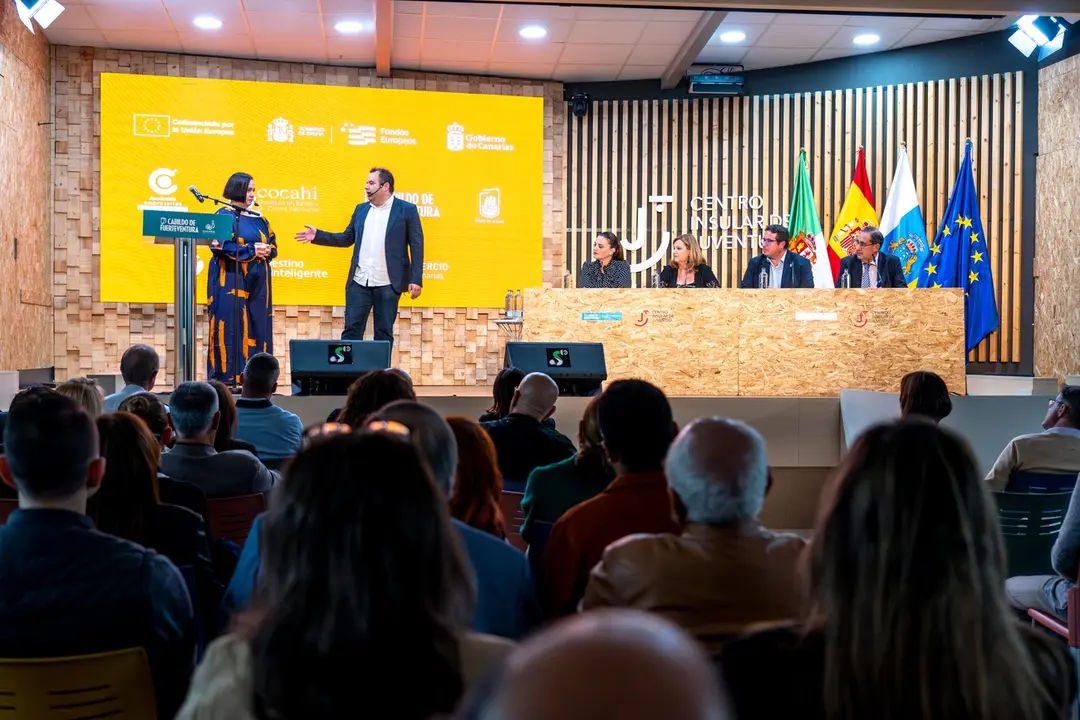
point(1056, 450)
point(775, 267)
point(869, 267)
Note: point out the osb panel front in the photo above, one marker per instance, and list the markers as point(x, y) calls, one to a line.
point(736, 342)
point(1057, 264)
point(26, 333)
point(437, 346)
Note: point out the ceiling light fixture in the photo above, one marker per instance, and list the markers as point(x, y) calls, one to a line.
point(532, 32)
point(44, 12)
point(206, 22)
point(349, 27)
point(867, 39)
point(732, 36)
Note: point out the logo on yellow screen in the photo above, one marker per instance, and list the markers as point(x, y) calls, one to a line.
point(152, 125)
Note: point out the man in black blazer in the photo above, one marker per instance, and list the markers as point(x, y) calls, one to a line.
point(388, 257)
point(885, 271)
point(782, 269)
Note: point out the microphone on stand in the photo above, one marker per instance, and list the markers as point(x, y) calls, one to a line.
point(198, 195)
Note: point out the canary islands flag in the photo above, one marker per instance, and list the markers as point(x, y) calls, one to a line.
point(902, 222)
point(856, 214)
point(958, 257)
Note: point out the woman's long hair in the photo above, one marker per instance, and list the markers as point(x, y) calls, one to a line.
point(478, 484)
point(590, 455)
point(129, 490)
point(226, 428)
point(506, 382)
point(370, 392)
point(906, 578)
point(694, 256)
point(364, 589)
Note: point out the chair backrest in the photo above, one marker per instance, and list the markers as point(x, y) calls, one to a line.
point(541, 531)
point(510, 504)
point(6, 508)
point(1030, 523)
point(231, 518)
point(1026, 481)
point(113, 685)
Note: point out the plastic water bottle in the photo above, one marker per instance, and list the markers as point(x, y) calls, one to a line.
point(763, 279)
point(845, 279)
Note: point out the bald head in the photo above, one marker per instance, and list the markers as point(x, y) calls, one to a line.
point(719, 470)
point(609, 664)
point(536, 396)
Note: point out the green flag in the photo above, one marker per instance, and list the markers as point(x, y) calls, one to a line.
point(804, 225)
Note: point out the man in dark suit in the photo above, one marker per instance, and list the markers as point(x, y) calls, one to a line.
point(881, 269)
point(388, 256)
point(778, 267)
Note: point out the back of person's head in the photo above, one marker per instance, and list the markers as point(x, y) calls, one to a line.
point(50, 448)
point(360, 569)
point(129, 488)
point(29, 393)
point(151, 410)
point(194, 409)
point(404, 375)
point(431, 433)
point(925, 394)
point(370, 392)
point(590, 452)
point(506, 382)
point(1065, 409)
point(636, 424)
point(85, 392)
point(608, 664)
point(536, 396)
point(719, 470)
point(478, 483)
point(261, 375)
point(909, 550)
point(139, 366)
point(229, 421)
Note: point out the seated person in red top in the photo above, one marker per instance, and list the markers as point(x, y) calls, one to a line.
point(637, 427)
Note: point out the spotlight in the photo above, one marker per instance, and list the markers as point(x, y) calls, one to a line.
point(43, 11)
point(579, 104)
point(1044, 33)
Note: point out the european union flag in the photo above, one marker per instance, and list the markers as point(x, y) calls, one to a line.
point(958, 257)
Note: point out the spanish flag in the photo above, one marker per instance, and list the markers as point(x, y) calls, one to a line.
point(857, 213)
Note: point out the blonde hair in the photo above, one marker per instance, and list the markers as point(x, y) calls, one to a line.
point(85, 392)
point(694, 256)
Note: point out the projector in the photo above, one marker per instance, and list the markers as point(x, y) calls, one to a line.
point(44, 12)
point(723, 80)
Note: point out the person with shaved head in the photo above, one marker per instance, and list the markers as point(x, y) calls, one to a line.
point(610, 664)
point(726, 573)
point(522, 439)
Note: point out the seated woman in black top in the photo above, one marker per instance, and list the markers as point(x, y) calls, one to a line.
point(907, 614)
point(687, 268)
point(608, 268)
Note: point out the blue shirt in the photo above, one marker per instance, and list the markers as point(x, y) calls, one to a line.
point(506, 602)
point(112, 402)
point(274, 432)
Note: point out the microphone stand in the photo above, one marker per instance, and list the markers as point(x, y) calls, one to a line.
point(237, 212)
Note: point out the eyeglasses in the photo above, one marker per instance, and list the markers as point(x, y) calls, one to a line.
point(324, 431)
point(388, 426)
point(1054, 402)
point(860, 243)
point(769, 241)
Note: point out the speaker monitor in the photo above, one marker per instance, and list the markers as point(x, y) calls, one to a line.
point(577, 368)
point(324, 367)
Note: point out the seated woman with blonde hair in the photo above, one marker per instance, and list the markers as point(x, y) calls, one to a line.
point(687, 268)
point(85, 392)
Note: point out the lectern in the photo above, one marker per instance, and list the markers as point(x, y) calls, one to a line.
point(185, 232)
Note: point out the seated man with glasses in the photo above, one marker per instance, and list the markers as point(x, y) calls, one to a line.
point(775, 267)
point(869, 267)
point(1055, 450)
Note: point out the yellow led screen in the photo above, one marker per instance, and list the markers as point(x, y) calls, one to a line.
point(473, 165)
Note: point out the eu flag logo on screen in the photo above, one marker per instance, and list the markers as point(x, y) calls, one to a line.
point(958, 257)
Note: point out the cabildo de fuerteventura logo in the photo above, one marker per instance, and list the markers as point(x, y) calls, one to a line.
point(279, 130)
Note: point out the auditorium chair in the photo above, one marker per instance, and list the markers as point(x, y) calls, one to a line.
point(1070, 632)
point(1030, 523)
point(1040, 482)
point(231, 518)
point(6, 508)
point(113, 685)
point(510, 504)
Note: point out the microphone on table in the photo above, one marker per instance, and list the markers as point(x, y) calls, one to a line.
point(198, 195)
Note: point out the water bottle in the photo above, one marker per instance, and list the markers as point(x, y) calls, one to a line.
point(763, 279)
point(845, 279)
point(566, 279)
point(506, 303)
point(655, 282)
point(518, 302)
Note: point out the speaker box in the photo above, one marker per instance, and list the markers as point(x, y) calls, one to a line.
point(323, 367)
point(577, 368)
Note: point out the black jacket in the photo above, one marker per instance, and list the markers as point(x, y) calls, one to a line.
point(404, 243)
point(797, 272)
point(703, 277)
point(524, 444)
point(889, 273)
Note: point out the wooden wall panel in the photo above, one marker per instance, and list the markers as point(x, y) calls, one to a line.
point(749, 146)
point(437, 346)
point(1057, 264)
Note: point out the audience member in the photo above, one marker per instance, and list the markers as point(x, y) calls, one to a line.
point(502, 390)
point(726, 573)
point(637, 427)
point(522, 440)
point(404, 375)
point(273, 431)
point(553, 489)
point(127, 503)
point(505, 599)
point(151, 410)
point(924, 394)
point(85, 392)
point(1056, 450)
point(226, 439)
point(908, 615)
point(195, 419)
point(608, 664)
point(139, 368)
point(68, 589)
point(478, 483)
point(360, 518)
point(33, 391)
point(372, 391)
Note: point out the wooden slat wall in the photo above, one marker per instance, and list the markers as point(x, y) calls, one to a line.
point(623, 152)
